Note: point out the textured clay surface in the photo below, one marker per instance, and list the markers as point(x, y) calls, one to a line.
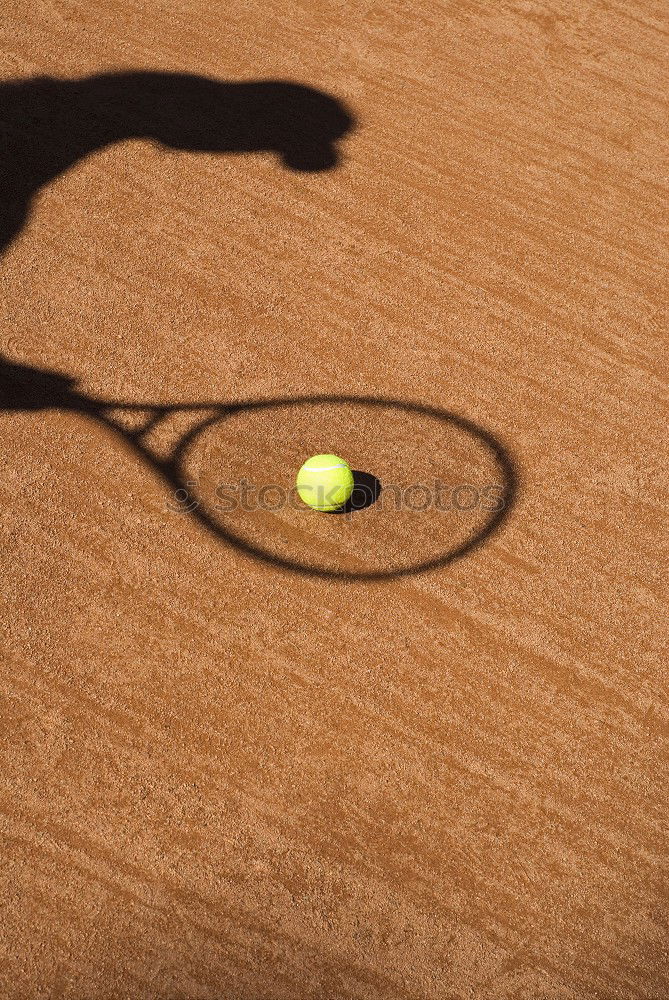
point(251, 754)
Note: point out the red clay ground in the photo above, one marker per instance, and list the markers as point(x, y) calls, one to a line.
point(225, 778)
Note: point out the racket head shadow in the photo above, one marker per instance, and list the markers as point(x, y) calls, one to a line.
point(235, 474)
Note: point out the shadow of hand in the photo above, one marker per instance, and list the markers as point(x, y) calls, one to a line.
point(48, 125)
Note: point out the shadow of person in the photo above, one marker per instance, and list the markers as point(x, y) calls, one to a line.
point(24, 388)
point(48, 125)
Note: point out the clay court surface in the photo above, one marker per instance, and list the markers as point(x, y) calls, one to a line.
point(274, 754)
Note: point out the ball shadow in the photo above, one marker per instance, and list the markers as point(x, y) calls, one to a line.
point(366, 491)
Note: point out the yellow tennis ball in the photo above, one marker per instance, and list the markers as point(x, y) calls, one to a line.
point(325, 482)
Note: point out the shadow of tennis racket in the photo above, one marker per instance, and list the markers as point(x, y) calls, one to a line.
point(24, 388)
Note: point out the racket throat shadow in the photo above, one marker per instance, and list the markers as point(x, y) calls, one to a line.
point(162, 434)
